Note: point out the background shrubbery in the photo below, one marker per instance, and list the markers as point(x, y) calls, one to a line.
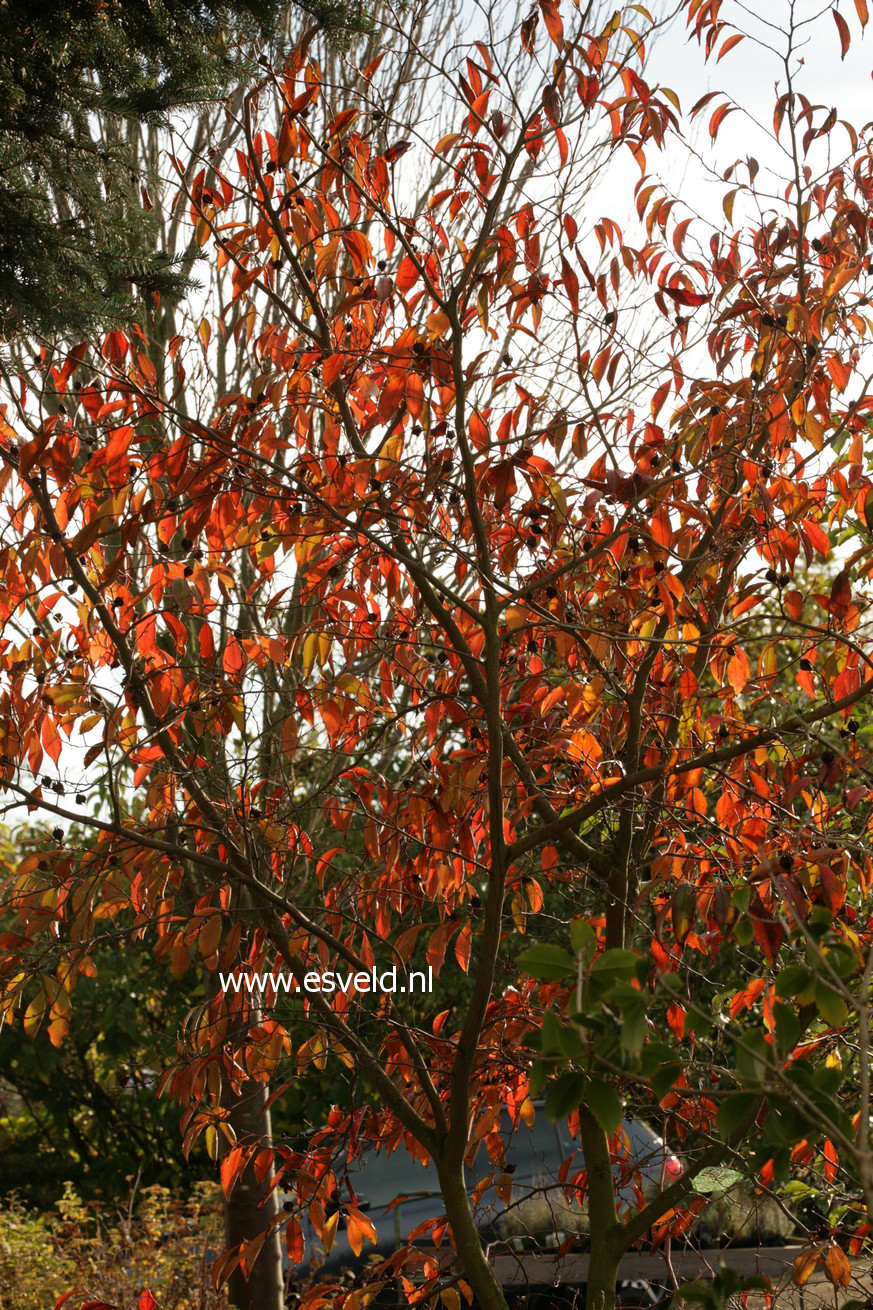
point(162, 1243)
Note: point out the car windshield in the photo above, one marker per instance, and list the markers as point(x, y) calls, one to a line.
point(379, 1178)
point(533, 1151)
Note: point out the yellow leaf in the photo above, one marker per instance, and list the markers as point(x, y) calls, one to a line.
point(329, 1232)
point(35, 1013)
point(393, 448)
point(319, 1050)
point(310, 650)
point(556, 491)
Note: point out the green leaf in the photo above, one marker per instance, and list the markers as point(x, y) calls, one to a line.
point(550, 1036)
point(734, 1112)
point(621, 964)
point(716, 1181)
point(633, 1023)
point(570, 1040)
point(831, 1007)
point(662, 1081)
point(537, 1079)
point(582, 936)
point(754, 1056)
point(547, 962)
point(787, 1027)
point(744, 932)
point(603, 1102)
point(791, 980)
point(565, 1095)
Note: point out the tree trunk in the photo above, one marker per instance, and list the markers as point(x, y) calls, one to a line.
point(248, 1214)
point(468, 1242)
point(606, 1232)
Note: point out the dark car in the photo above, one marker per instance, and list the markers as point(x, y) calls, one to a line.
point(535, 1217)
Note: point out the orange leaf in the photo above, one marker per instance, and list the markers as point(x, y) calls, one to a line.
point(687, 684)
point(816, 537)
point(358, 1226)
point(234, 660)
point(414, 394)
point(294, 1239)
point(407, 275)
point(838, 1267)
point(738, 671)
point(552, 18)
point(118, 443)
point(804, 1267)
point(231, 1167)
point(843, 29)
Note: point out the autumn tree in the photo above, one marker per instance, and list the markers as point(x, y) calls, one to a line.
point(518, 594)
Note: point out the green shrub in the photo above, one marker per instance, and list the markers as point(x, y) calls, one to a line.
point(112, 1253)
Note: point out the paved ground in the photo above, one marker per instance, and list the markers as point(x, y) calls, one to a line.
point(518, 1271)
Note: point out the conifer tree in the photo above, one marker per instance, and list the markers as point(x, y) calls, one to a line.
point(76, 245)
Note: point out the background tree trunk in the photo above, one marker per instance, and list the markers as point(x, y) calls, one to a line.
point(248, 1213)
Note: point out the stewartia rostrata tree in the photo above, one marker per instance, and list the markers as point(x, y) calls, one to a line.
point(520, 596)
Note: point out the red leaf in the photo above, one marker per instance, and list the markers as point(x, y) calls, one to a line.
point(831, 1160)
point(263, 1164)
point(207, 642)
point(841, 595)
point(294, 1240)
point(718, 118)
point(843, 29)
point(146, 1301)
point(571, 282)
point(687, 299)
point(115, 347)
